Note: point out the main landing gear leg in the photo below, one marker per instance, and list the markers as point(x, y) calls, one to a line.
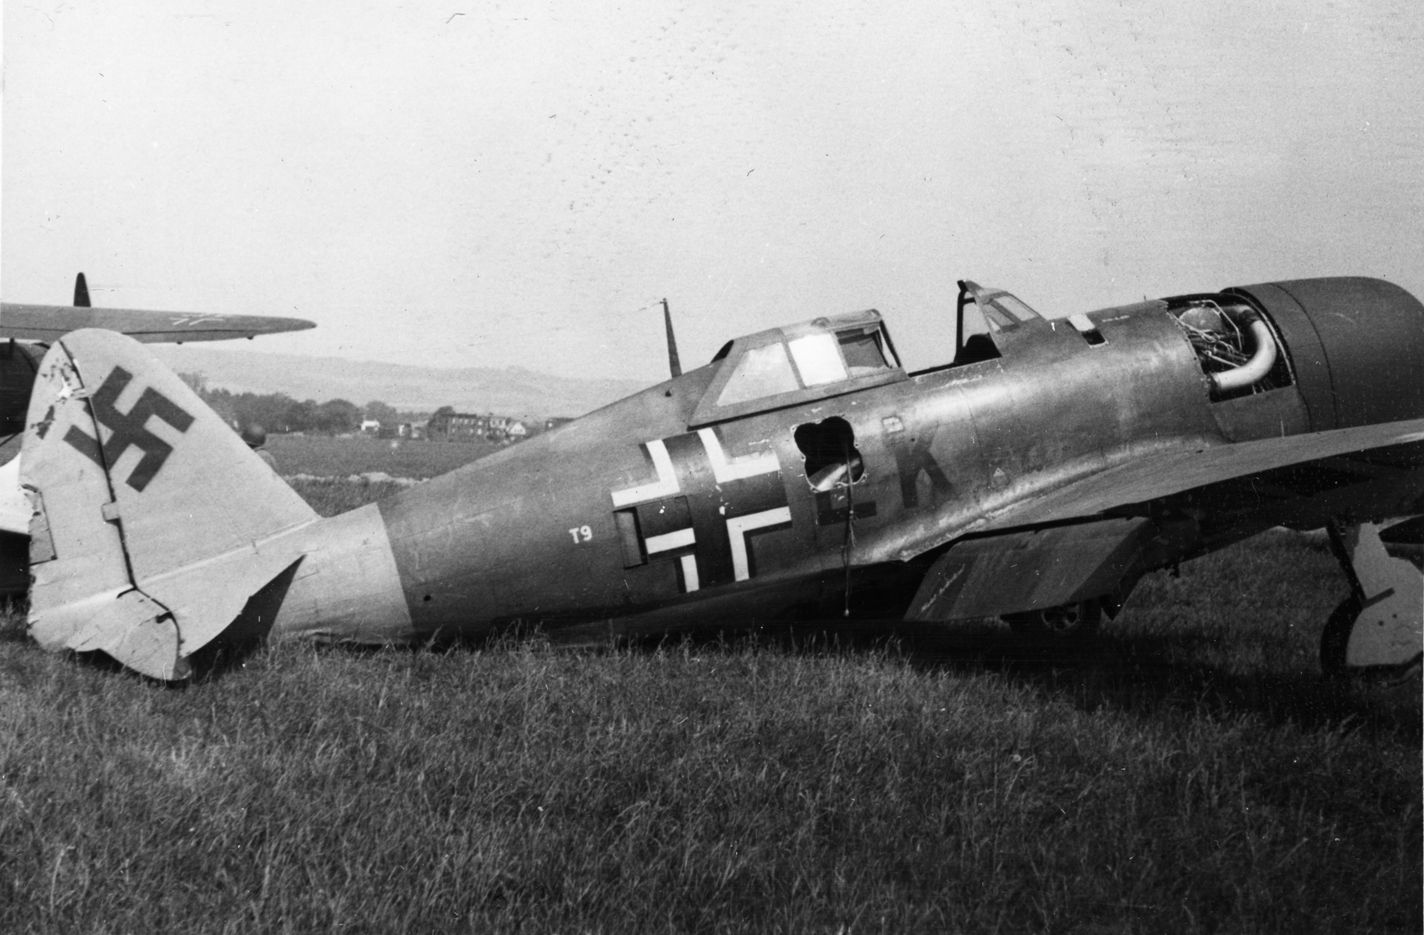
point(1378, 631)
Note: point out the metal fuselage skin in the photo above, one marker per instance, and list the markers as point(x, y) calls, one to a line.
point(648, 515)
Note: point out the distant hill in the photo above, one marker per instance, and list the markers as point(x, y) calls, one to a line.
point(511, 391)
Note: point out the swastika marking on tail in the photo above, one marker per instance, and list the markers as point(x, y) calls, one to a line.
point(129, 429)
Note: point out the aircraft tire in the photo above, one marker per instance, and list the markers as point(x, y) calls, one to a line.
point(1067, 622)
point(1336, 637)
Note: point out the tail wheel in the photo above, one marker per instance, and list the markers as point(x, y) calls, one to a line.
point(1065, 622)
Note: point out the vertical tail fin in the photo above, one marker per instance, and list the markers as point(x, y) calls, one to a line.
point(152, 521)
point(81, 292)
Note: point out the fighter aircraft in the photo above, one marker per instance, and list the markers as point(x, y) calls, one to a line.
point(803, 472)
point(30, 329)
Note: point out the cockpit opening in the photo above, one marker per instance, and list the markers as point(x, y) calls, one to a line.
point(999, 313)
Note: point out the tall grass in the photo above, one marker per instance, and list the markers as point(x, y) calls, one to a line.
point(1190, 772)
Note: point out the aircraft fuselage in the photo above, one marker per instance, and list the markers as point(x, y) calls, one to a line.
point(659, 512)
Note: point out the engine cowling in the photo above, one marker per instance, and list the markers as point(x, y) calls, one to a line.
point(1355, 345)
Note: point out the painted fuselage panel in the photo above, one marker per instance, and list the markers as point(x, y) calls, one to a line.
point(534, 533)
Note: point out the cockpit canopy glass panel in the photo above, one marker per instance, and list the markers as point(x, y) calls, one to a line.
point(1002, 311)
point(1006, 311)
point(812, 360)
point(818, 359)
point(762, 371)
point(866, 352)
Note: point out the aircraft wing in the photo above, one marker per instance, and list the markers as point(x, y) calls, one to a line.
point(1124, 479)
point(1080, 534)
point(48, 323)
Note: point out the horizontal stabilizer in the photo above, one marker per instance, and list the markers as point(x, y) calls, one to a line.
point(153, 524)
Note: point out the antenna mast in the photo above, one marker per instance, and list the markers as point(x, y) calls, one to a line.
point(674, 364)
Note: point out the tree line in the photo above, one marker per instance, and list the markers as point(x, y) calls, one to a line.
point(280, 413)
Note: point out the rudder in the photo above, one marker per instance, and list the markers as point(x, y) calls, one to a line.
point(152, 522)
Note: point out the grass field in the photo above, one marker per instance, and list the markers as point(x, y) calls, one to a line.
point(324, 456)
point(1190, 772)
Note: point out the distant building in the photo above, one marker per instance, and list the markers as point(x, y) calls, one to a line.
point(370, 426)
point(555, 421)
point(469, 426)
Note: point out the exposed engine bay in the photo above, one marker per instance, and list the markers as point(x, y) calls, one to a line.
point(1235, 345)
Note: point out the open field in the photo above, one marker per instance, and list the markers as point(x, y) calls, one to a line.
point(324, 456)
point(1189, 772)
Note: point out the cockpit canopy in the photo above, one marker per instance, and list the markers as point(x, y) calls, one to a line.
point(838, 354)
point(799, 363)
point(1002, 313)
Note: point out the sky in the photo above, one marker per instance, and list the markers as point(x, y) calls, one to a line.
point(518, 184)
